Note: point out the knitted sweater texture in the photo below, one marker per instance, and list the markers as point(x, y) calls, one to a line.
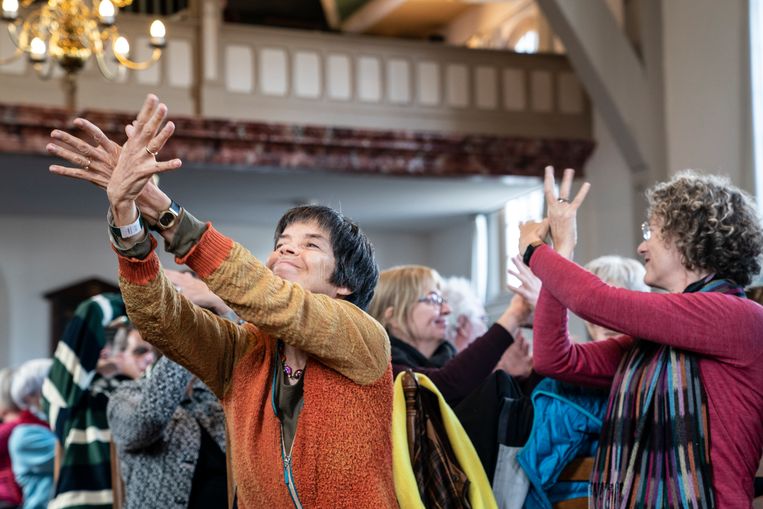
point(342, 448)
point(725, 331)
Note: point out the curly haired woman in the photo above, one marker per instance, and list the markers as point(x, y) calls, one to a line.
point(684, 423)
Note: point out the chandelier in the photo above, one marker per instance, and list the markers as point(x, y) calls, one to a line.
point(69, 32)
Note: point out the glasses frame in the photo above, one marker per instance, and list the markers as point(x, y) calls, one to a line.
point(433, 298)
point(646, 230)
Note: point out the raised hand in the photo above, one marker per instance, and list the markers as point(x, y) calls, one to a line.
point(530, 232)
point(93, 163)
point(562, 213)
point(137, 162)
point(96, 163)
point(529, 286)
point(517, 360)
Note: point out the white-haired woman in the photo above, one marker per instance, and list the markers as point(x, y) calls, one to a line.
point(32, 444)
point(615, 271)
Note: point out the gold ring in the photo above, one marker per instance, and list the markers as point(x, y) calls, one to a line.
point(87, 165)
point(152, 153)
point(562, 200)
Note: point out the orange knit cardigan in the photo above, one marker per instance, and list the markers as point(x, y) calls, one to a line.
point(342, 453)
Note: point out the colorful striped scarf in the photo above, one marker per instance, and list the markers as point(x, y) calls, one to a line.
point(654, 450)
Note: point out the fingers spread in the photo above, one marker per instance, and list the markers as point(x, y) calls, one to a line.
point(152, 126)
point(69, 155)
point(566, 185)
point(160, 167)
point(146, 111)
point(548, 185)
point(74, 144)
point(582, 192)
point(158, 142)
point(79, 174)
point(99, 138)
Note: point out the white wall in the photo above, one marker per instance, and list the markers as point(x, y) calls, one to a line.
point(450, 249)
point(606, 222)
point(44, 253)
point(707, 87)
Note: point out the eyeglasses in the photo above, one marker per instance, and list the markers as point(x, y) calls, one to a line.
point(433, 298)
point(646, 230)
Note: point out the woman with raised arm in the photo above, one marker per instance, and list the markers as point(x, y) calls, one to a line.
point(305, 380)
point(684, 424)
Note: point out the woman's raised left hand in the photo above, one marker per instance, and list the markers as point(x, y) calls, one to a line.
point(562, 213)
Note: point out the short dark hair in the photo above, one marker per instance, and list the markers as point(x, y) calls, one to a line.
point(355, 264)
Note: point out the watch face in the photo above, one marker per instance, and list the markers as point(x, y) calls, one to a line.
point(167, 219)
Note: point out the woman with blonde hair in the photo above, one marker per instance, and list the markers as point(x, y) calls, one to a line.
point(684, 424)
point(408, 301)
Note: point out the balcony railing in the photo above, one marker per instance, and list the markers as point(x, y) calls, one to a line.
point(259, 74)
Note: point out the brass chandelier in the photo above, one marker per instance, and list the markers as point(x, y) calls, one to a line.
point(69, 32)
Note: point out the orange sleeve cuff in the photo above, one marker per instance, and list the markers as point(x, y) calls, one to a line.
point(208, 254)
point(139, 272)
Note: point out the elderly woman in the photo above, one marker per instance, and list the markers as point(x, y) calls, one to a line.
point(32, 444)
point(615, 271)
point(10, 417)
point(684, 422)
point(409, 303)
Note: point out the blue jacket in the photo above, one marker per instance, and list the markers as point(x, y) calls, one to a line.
point(566, 424)
point(32, 449)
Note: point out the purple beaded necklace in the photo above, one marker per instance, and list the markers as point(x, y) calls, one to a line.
point(288, 371)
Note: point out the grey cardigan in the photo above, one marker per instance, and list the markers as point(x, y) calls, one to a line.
point(155, 426)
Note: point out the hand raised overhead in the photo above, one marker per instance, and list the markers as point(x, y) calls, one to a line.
point(561, 212)
point(122, 171)
point(137, 162)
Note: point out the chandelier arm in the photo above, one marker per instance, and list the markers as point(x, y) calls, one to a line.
point(104, 68)
point(7, 60)
point(14, 34)
point(139, 66)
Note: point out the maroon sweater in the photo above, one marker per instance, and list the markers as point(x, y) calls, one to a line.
point(9, 490)
point(725, 331)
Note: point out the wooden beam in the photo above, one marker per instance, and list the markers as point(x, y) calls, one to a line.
point(331, 11)
point(369, 15)
point(614, 77)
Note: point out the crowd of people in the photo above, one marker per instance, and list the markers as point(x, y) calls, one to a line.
point(277, 383)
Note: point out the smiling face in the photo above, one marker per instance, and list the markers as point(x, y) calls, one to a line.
point(663, 262)
point(427, 319)
point(303, 254)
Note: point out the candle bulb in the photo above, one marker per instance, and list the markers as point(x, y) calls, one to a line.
point(106, 12)
point(37, 50)
point(10, 9)
point(121, 47)
point(157, 34)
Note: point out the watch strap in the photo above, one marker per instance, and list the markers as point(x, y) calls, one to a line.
point(130, 230)
point(174, 210)
point(529, 250)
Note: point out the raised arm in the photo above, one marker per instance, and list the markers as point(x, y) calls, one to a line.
point(467, 370)
point(710, 323)
point(207, 345)
point(337, 332)
point(556, 355)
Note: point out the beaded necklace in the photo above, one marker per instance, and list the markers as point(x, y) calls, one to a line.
point(288, 371)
